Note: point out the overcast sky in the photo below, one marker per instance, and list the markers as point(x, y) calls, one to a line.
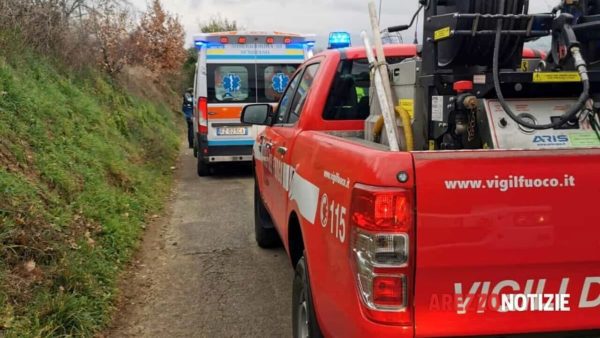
point(300, 16)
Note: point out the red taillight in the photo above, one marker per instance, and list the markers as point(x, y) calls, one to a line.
point(242, 40)
point(382, 249)
point(202, 115)
point(287, 41)
point(224, 40)
point(381, 209)
point(388, 290)
point(270, 40)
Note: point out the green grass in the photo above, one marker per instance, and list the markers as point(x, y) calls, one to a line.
point(82, 165)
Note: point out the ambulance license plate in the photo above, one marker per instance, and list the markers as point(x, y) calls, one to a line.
point(232, 131)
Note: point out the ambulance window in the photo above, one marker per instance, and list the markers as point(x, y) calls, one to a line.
point(272, 81)
point(231, 83)
point(302, 93)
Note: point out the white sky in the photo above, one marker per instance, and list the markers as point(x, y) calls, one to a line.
point(300, 16)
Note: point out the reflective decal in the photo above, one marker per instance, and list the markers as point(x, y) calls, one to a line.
point(306, 196)
point(231, 83)
point(280, 82)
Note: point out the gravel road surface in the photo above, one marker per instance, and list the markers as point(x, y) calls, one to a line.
point(199, 272)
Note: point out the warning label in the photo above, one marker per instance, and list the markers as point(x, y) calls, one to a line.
point(584, 140)
point(555, 77)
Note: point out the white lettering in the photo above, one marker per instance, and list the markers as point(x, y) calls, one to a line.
point(535, 302)
point(463, 302)
point(483, 301)
point(498, 288)
point(585, 302)
point(540, 286)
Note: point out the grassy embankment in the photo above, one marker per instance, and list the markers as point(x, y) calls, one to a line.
point(83, 165)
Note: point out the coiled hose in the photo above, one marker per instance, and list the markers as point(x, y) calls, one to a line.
point(478, 50)
point(406, 125)
point(573, 110)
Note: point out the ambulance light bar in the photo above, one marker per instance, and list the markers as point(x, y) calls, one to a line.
point(199, 44)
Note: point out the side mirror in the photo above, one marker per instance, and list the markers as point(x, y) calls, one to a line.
point(257, 114)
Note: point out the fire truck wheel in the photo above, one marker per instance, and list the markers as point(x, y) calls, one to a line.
point(264, 230)
point(303, 311)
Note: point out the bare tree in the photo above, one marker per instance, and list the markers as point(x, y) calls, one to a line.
point(160, 40)
point(105, 31)
point(219, 24)
point(112, 27)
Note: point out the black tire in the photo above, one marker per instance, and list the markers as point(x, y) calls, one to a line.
point(304, 319)
point(264, 229)
point(203, 167)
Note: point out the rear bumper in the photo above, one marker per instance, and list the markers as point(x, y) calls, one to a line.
point(224, 151)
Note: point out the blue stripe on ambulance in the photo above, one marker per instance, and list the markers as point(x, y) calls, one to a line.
point(222, 143)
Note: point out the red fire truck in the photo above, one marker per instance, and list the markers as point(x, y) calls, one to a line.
point(483, 224)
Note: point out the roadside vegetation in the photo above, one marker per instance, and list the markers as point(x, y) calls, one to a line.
point(88, 138)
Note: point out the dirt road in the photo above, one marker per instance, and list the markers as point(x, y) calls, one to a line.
point(200, 273)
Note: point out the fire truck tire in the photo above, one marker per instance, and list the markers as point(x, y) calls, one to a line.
point(264, 230)
point(304, 319)
point(203, 167)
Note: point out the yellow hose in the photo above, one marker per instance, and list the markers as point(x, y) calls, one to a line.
point(406, 123)
point(378, 129)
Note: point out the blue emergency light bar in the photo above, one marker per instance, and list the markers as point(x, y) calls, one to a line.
point(200, 44)
point(339, 40)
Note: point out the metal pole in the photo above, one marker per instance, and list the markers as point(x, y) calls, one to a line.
point(380, 4)
point(389, 118)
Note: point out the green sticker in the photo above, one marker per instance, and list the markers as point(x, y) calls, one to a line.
point(584, 140)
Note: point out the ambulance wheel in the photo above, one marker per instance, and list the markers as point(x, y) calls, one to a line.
point(264, 230)
point(304, 319)
point(203, 167)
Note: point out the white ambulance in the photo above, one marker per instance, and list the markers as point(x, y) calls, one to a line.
point(235, 69)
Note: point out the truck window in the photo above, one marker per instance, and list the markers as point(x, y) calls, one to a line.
point(349, 95)
point(286, 100)
point(302, 93)
point(231, 83)
point(272, 81)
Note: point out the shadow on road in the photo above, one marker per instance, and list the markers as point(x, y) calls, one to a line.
point(232, 170)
